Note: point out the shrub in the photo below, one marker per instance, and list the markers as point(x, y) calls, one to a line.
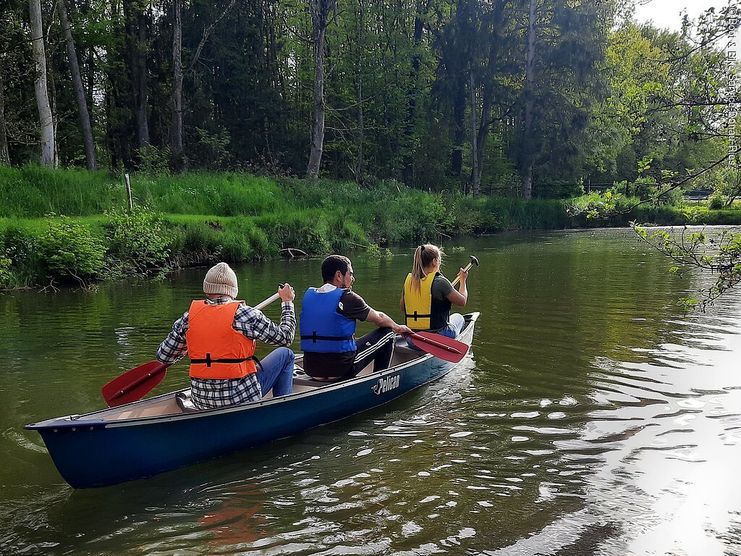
point(154, 161)
point(21, 251)
point(716, 201)
point(137, 240)
point(7, 278)
point(70, 250)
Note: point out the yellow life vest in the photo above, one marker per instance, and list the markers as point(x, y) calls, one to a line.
point(418, 303)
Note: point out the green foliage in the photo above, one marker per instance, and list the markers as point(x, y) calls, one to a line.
point(717, 252)
point(661, 114)
point(413, 217)
point(225, 194)
point(597, 205)
point(604, 94)
point(213, 148)
point(19, 247)
point(7, 277)
point(308, 230)
point(716, 201)
point(69, 250)
point(137, 240)
point(154, 161)
point(243, 240)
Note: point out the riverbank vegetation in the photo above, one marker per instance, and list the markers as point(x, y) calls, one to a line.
point(74, 226)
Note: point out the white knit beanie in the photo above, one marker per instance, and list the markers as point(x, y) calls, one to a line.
point(220, 279)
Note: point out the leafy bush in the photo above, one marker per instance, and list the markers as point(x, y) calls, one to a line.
point(70, 250)
point(7, 278)
point(138, 240)
point(716, 201)
point(20, 251)
point(154, 161)
point(212, 149)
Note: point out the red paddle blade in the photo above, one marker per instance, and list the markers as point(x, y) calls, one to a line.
point(134, 384)
point(440, 346)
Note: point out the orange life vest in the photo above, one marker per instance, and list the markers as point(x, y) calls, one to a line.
point(216, 350)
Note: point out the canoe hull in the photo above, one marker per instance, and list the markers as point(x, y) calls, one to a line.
point(92, 452)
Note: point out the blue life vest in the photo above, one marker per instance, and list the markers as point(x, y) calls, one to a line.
point(322, 328)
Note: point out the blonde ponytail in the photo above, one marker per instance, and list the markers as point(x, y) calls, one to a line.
point(423, 257)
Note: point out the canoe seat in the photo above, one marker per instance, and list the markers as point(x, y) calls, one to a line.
point(300, 378)
point(184, 402)
point(308, 381)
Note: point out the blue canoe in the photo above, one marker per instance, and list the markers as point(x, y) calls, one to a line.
point(147, 437)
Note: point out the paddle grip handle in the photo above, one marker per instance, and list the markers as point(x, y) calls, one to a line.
point(269, 300)
point(454, 283)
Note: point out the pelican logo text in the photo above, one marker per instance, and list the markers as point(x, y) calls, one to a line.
point(385, 384)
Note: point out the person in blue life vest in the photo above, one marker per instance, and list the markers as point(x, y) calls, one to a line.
point(329, 316)
point(219, 335)
point(428, 295)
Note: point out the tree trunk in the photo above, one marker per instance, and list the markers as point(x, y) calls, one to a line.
point(142, 123)
point(360, 163)
point(480, 144)
point(488, 94)
point(4, 154)
point(74, 66)
point(176, 145)
point(526, 139)
point(459, 126)
point(475, 173)
point(319, 11)
point(408, 170)
point(46, 121)
point(459, 58)
point(136, 34)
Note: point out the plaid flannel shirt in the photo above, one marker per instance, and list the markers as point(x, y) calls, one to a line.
point(253, 324)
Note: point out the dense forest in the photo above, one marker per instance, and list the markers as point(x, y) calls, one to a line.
point(526, 98)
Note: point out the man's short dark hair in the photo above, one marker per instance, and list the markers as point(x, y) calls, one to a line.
point(332, 264)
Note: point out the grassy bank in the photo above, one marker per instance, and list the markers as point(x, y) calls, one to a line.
point(60, 226)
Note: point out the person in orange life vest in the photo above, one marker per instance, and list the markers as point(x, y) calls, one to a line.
point(327, 327)
point(219, 334)
point(428, 295)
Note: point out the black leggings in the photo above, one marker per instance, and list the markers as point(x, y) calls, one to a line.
point(376, 346)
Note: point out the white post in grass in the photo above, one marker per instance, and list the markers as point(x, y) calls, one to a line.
point(128, 191)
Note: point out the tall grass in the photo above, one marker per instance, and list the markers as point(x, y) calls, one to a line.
point(34, 191)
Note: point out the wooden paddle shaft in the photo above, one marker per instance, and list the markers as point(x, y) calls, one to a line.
point(454, 283)
point(269, 300)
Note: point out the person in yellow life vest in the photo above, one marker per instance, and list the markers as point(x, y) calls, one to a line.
point(219, 335)
point(428, 295)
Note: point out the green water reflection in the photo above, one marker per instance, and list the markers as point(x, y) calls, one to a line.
point(587, 380)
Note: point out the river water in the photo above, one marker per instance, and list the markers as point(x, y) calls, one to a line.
point(595, 417)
